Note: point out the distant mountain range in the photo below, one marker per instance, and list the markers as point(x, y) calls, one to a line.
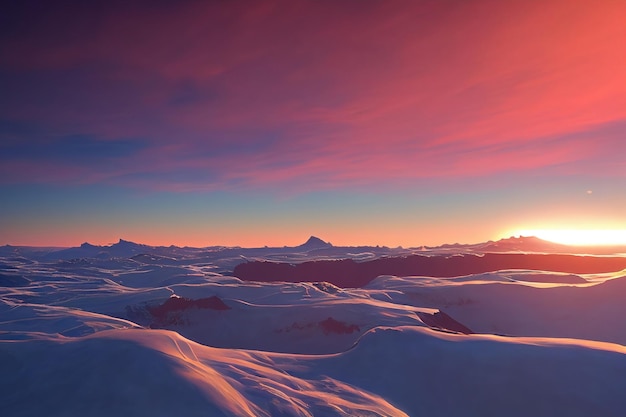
point(313, 247)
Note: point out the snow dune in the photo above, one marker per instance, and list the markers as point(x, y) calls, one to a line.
point(496, 303)
point(391, 372)
point(159, 373)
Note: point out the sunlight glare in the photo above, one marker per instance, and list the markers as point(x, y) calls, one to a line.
point(579, 237)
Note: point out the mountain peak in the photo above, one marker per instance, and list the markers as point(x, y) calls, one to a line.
point(523, 243)
point(525, 240)
point(127, 243)
point(315, 243)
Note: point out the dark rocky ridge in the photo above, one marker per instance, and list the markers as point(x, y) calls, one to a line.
point(168, 312)
point(347, 273)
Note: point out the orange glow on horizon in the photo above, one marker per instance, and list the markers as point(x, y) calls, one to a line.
point(579, 237)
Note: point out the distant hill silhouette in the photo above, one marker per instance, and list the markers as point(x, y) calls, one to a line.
point(314, 243)
point(524, 244)
point(537, 245)
point(121, 249)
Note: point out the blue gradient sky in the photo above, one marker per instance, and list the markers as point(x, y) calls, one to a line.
point(253, 123)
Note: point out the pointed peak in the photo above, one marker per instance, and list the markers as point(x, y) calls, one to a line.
point(315, 239)
point(123, 242)
point(315, 243)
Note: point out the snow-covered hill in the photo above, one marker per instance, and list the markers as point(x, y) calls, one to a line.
point(392, 371)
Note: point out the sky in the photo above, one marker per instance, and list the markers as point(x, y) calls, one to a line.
point(258, 123)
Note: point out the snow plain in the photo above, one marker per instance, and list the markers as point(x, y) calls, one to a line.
point(130, 329)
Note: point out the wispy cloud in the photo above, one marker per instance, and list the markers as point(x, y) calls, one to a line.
point(310, 95)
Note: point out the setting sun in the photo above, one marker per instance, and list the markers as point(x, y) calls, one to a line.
point(579, 237)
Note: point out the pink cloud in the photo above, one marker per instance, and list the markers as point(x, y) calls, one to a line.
point(324, 93)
